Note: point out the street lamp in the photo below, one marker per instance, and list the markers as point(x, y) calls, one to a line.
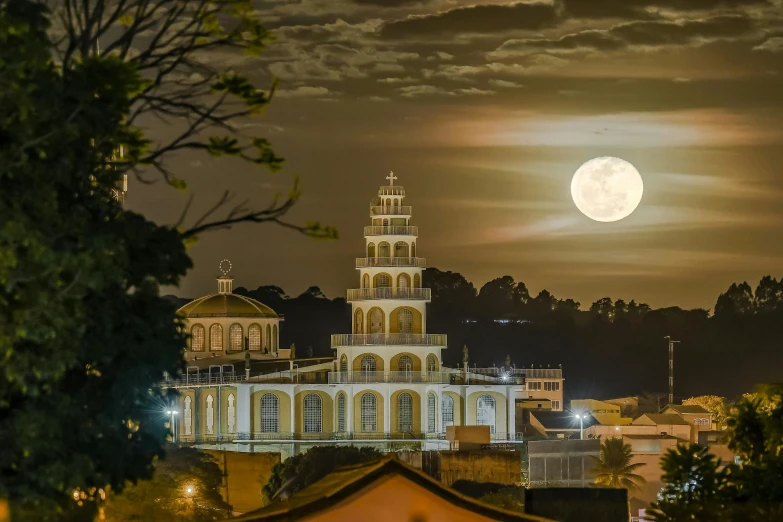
point(172, 413)
point(581, 425)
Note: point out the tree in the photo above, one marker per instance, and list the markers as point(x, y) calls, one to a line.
point(769, 295)
point(498, 297)
point(184, 487)
point(509, 498)
point(603, 307)
point(614, 468)
point(697, 487)
point(738, 299)
point(85, 335)
point(717, 406)
point(299, 471)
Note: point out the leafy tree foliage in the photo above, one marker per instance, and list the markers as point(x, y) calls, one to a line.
point(717, 406)
point(697, 488)
point(738, 299)
point(614, 467)
point(299, 471)
point(184, 487)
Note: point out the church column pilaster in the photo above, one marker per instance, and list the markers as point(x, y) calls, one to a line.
point(293, 409)
point(511, 418)
point(244, 409)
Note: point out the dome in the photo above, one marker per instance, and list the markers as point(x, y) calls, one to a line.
point(226, 305)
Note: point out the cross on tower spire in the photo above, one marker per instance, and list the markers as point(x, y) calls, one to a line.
point(391, 177)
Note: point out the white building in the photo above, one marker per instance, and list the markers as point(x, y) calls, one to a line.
point(386, 384)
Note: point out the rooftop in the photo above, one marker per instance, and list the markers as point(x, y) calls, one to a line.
point(226, 305)
point(687, 409)
point(662, 418)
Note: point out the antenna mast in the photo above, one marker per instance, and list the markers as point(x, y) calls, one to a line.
point(671, 368)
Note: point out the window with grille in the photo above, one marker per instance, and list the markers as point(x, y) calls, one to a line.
point(343, 363)
point(403, 281)
point(371, 250)
point(556, 405)
point(430, 363)
point(312, 413)
point(368, 364)
point(401, 249)
point(405, 320)
point(446, 411)
point(197, 338)
point(533, 385)
point(235, 337)
point(254, 337)
point(384, 248)
point(376, 321)
point(551, 386)
point(405, 363)
point(216, 337)
point(416, 281)
point(270, 413)
point(405, 412)
point(341, 412)
point(382, 281)
point(366, 281)
point(485, 412)
point(431, 412)
point(369, 413)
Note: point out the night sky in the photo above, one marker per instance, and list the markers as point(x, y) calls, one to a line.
point(484, 110)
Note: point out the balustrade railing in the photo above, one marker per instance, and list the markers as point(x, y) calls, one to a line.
point(389, 377)
point(202, 438)
point(395, 339)
point(362, 294)
point(391, 230)
point(390, 210)
point(367, 262)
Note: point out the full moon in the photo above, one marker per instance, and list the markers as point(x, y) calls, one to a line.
point(607, 188)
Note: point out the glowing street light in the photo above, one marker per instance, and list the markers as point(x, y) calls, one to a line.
point(190, 490)
point(172, 413)
point(581, 425)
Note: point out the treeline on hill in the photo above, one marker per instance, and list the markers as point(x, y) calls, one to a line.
point(611, 348)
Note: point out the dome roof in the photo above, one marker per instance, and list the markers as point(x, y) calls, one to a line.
point(226, 305)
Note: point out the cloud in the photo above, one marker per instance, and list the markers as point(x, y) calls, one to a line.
point(305, 92)
point(412, 91)
point(440, 56)
point(645, 9)
point(474, 19)
point(388, 68)
point(407, 79)
point(377, 98)
point(454, 72)
point(773, 45)
point(475, 92)
point(505, 84)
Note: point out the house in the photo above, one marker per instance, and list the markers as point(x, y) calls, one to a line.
point(386, 490)
point(556, 424)
point(604, 412)
point(697, 416)
point(666, 424)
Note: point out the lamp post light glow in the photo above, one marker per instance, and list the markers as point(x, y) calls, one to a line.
point(189, 490)
point(581, 425)
point(171, 414)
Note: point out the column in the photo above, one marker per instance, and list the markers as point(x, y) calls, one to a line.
point(387, 410)
point(464, 409)
point(511, 420)
point(438, 412)
point(293, 409)
point(349, 409)
point(244, 408)
point(424, 410)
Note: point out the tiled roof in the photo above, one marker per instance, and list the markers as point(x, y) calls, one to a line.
point(681, 408)
point(664, 418)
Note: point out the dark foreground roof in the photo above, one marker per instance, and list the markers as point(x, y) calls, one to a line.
point(345, 481)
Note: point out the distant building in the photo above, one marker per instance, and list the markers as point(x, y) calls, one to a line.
point(604, 412)
point(666, 424)
point(382, 491)
point(562, 463)
point(697, 416)
point(554, 424)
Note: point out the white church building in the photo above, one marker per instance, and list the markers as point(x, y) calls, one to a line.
point(386, 385)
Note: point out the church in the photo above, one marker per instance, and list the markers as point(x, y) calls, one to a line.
point(386, 385)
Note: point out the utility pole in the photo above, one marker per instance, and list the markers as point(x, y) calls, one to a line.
point(671, 368)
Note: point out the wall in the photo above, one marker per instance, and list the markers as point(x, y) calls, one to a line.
point(562, 462)
point(246, 474)
point(501, 467)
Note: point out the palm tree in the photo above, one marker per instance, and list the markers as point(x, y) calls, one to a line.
point(614, 468)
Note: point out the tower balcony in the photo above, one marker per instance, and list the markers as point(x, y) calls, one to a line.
point(366, 294)
point(391, 210)
point(391, 231)
point(370, 262)
point(384, 339)
point(391, 190)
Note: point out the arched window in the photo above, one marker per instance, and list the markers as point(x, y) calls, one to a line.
point(386, 222)
point(197, 338)
point(485, 412)
point(431, 365)
point(366, 281)
point(369, 413)
point(270, 413)
point(340, 412)
point(188, 415)
point(413, 249)
point(312, 413)
point(396, 202)
point(235, 337)
point(384, 249)
point(343, 363)
point(405, 363)
point(268, 344)
point(403, 281)
point(376, 321)
point(401, 249)
point(368, 364)
point(358, 321)
point(210, 415)
point(216, 338)
point(388, 202)
point(274, 338)
point(231, 414)
point(431, 412)
point(416, 281)
point(405, 411)
point(371, 250)
point(254, 337)
point(382, 281)
point(405, 321)
point(446, 412)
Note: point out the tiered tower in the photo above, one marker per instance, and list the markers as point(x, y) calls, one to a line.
point(389, 309)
